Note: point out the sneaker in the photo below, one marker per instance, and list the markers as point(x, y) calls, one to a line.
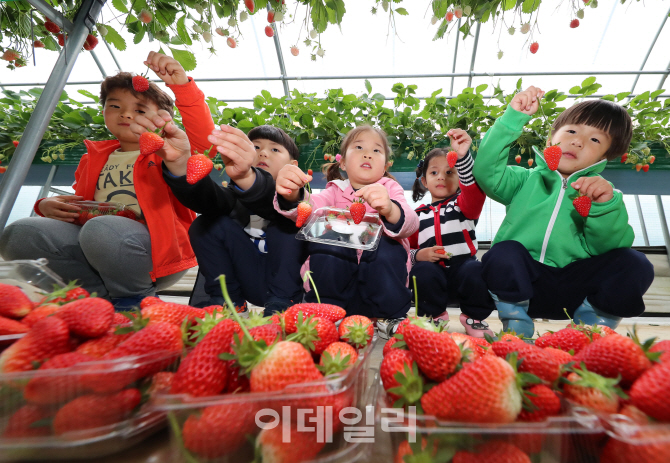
point(475, 328)
point(388, 326)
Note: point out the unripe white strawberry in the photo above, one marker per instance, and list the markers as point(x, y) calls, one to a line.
point(580, 14)
point(500, 54)
point(594, 4)
point(207, 36)
point(385, 5)
point(244, 16)
point(279, 15)
point(232, 22)
point(102, 30)
point(313, 34)
point(205, 26)
point(467, 9)
point(433, 20)
point(197, 29)
point(525, 28)
point(320, 52)
point(511, 30)
point(199, 8)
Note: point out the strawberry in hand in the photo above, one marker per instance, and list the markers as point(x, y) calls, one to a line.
point(552, 156)
point(583, 205)
point(198, 167)
point(150, 142)
point(357, 210)
point(141, 84)
point(304, 212)
point(452, 158)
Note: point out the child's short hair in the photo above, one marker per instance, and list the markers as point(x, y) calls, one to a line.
point(332, 169)
point(418, 190)
point(604, 115)
point(277, 135)
point(124, 80)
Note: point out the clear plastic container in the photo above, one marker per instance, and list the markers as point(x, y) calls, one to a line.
point(630, 442)
point(64, 385)
point(573, 437)
point(278, 408)
point(92, 209)
point(333, 226)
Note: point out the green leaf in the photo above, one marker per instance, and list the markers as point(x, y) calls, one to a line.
point(481, 88)
point(139, 36)
point(120, 5)
point(401, 11)
point(622, 95)
point(185, 58)
point(115, 38)
point(588, 81)
point(90, 95)
point(575, 90)
point(530, 5)
point(50, 43)
point(508, 4)
point(368, 85)
point(653, 95)
point(182, 32)
point(441, 30)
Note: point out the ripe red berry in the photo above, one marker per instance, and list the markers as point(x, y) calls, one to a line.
point(533, 47)
point(583, 205)
point(452, 159)
point(61, 40)
point(51, 26)
point(16, 143)
point(552, 156)
point(231, 42)
point(294, 50)
point(530, 162)
point(140, 84)
point(309, 172)
point(269, 31)
point(449, 16)
point(250, 5)
point(624, 157)
point(574, 23)
point(652, 159)
point(38, 44)
point(645, 168)
point(517, 158)
point(271, 16)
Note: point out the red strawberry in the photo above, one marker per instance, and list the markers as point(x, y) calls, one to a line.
point(38, 313)
point(15, 143)
point(269, 31)
point(534, 47)
point(337, 357)
point(161, 383)
point(473, 349)
point(100, 346)
point(532, 359)
point(304, 211)
point(202, 372)
point(545, 403)
point(51, 26)
point(232, 43)
point(616, 356)
point(87, 318)
point(566, 339)
point(198, 167)
point(37, 44)
point(645, 168)
point(517, 158)
point(638, 166)
point(45, 339)
point(272, 446)
point(29, 421)
point(172, 313)
point(150, 142)
point(295, 51)
point(9, 326)
point(146, 17)
point(452, 159)
point(449, 16)
point(53, 389)
point(3, 169)
point(583, 205)
point(158, 343)
point(10, 55)
point(309, 172)
point(13, 302)
point(484, 392)
point(435, 352)
point(119, 319)
point(638, 445)
point(238, 382)
point(593, 391)
point(95, 411)
point(574, 23)
point(140, 83)
point(399, 375)
point(390, 345)
point(250, 4)
point(285, 363)
point(560, 356)
point(91, 41)
point(61, 39)
point(357, 210)
point(220, 429)
point(357, 330)
point(314, 333)
point(492, 452)
point(327, 311)
point(150, 300)
point(624, 157)
point(664, 348)
point(649, 392)
point(552, 156)
point(271, 16)
point(270, 333)
point(530, 162)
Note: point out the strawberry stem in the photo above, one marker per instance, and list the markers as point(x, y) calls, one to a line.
point(206, 153)
point(308, 274)
point(236, 316)
point(416, 296)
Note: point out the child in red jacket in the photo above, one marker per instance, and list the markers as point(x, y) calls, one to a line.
point(118, 258)
point(444, 248)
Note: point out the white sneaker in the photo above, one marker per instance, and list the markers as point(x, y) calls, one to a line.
point(388, 326)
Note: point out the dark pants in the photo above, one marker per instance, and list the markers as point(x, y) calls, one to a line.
point(613, 282)
point(375, 287)
point(222, 247)
point(438, 286)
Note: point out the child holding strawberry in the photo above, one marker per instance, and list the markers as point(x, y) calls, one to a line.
point(549, 255)
point(444, 247)
point(117, 258)
point(370, 283)
point(238, 232)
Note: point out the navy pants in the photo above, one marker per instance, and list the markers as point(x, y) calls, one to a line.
point(613, 282)
point(438, 286)
point(375, 287)
point(222, 247)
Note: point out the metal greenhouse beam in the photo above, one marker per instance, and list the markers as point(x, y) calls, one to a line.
point(651, 47)
point(37, 125)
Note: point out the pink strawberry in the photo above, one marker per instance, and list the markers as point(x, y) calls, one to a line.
point(544, 403)
point(357, 330)
point(45, 390)
point(583, 205)
point(552, 156)
point(452, 159)
point(47, 338)
point(271, 16)
point(87, 318)
point(95, 411)
point(304, 211)
point(449, 16)
point(10, 55)
point(327, 311)
point(29, 421)
point(150, 142)
point(530, 162)
point(146, 17)
point(13, 302)
point(231, 42)
point(198, 167)
point(51, 26)
point(435, 351)
point(357, 210)
point(295, 51)
point(9, 326)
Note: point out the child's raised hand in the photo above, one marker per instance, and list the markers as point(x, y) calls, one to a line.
point(289, 181)
point(166, 68)
point(237, 153)
point(176, 147)
point(527, 101)
point(57, 207)
point(460, 141)
point(431, 255)
point(596, 188)
point(377, 197)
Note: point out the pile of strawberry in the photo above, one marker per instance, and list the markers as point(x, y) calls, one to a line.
point(269, 363)
point(80, 367)
point(88, 212)
point(459, 379)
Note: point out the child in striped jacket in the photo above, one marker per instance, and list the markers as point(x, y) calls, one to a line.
point(443, 250)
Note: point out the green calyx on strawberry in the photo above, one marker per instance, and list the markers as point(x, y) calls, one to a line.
point(552, 156)
point(410, 387)
point(71, 292)
point(205, 324)
point(608, 386)
point(138, 322)
point(307, 333)
point(331, 365)
point(646, 345)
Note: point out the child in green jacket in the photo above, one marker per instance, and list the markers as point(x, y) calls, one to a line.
point(546, 257)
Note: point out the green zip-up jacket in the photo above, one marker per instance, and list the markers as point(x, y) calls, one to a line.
point(540, 214)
